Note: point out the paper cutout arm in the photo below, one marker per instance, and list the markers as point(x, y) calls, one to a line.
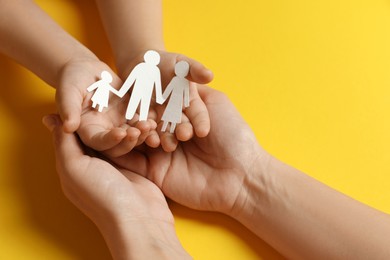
point(167, 91)
point(128, 83)
point(115, 91)
point(93, 86)
point(187, 95)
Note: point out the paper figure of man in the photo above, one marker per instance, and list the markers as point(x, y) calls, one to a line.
point(179, 88)
point(145, 76)
point(102, 93)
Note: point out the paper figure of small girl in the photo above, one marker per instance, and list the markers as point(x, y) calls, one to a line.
point(179, 88)
point(102, 93)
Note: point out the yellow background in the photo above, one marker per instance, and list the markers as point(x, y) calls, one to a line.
point(310, 77)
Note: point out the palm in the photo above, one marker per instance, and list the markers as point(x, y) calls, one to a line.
point(106, 125)
point(123, 189)
point(198, 173)
point(102, 191)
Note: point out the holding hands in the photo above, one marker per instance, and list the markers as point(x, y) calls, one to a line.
point(203, 173)
point(110, 131)
point(215, 166)
point(228, 172)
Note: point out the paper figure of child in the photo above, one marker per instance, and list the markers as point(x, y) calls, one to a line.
point(144, 76)
point(102, 93)
point(179, 88)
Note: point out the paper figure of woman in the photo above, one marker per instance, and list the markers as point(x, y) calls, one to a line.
point(179, 89)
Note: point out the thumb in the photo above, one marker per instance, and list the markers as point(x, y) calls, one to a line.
point(69, 108)
point(67, 147)
point(198, 72)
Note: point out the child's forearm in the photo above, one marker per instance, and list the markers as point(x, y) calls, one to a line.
point(305, 219)
point(132, 26)
point(29, 36)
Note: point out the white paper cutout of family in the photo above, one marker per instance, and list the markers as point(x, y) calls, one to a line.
point(144, 78)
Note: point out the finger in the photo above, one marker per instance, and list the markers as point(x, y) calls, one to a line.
point(69, 107)
point(184, 130)
point(101, 139)
point(198, 72)
point(204, 91)
point(145, 127)
point(197, 113)
point(126, 145)
point(168, 141)
point(67, 147)
point(153, 139)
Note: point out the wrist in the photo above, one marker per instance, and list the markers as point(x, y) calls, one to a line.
point(255, 188)
point(142, 239)
point(86, 60)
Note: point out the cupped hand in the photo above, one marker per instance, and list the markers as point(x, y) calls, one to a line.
point(106, 194)
point(204, 173)
point(195, 118)
point(106, 131)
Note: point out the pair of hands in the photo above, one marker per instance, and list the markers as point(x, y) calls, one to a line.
point(130, 177)
point(109, 132)
point(203, 173)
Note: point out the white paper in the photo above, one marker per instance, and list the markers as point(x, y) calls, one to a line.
point(145, 76)
point(179, 91)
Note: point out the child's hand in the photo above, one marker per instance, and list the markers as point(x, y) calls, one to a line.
point(105, 131)
point(195, 118)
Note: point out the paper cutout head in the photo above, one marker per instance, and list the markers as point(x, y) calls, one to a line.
point(152, 57)
point(182, 68)
point(106, 76)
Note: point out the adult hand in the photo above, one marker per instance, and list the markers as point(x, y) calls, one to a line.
point(195, 118)
point(204, 173)
point(130, 211)
point(227, 171)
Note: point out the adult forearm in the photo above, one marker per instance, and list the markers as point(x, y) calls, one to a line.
point(132, 26)
point(29, 36)
point(304, 219)
point(138, 239)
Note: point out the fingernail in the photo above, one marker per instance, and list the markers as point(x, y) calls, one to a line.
point(50, 122)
